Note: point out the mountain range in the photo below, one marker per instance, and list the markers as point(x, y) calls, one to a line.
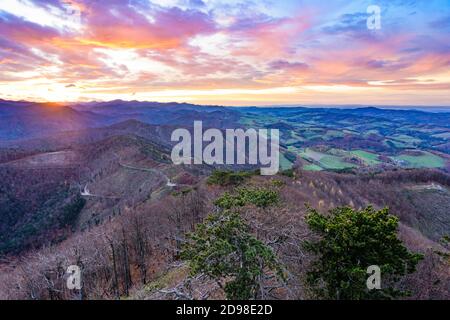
point(92, 181)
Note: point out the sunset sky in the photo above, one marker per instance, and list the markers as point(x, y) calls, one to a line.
point(229, 52)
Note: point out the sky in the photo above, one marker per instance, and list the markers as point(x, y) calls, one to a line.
point(234, 52)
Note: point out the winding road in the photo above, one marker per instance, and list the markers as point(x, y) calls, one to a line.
point(86, 193)
point(127, 166)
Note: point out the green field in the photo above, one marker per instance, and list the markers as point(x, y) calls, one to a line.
point(372, 131)
point(285, 163)
point(369, 158)
point(404, 141)
point(325, 160)
point(445, 135)
point(326, 140)
point(312, 167)
point(396, 144)
point(331, 134)
point(294, 138)
point(425, 160)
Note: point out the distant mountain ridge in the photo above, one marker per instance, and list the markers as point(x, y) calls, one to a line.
point(321, 138)
point(26, 120)
point(22, 119)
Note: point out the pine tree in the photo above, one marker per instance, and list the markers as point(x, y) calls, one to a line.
point(224, 249)
point(351, 241)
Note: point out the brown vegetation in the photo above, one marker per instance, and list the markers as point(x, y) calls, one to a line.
point(132, 248)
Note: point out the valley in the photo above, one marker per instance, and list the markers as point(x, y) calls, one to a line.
point(330, 139)
point(110, 189)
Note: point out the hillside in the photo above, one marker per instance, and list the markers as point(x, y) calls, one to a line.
point(150, 228)
point(20, 120)
point(317, 138)
point(32, 213)
point(95, 185)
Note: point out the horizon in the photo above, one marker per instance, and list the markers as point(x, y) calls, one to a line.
point(230, 53)
point(424, 108)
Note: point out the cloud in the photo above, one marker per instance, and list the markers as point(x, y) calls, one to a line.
point(24, 32)
point(441, 24)
point(138, 46)
point(286, 65)
point(123, 26)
